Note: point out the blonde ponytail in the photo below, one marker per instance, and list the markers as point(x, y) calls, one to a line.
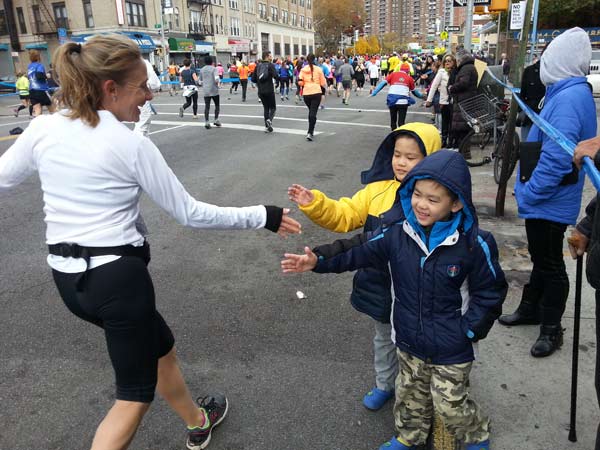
point(82, 69)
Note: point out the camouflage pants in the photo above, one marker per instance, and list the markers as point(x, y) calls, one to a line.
point(422, 387)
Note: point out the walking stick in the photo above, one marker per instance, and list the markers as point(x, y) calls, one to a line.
point(572, 423)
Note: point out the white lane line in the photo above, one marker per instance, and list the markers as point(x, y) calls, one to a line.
point(237, 126)
point(331, 122)
point(165, 129)
point(15, 123)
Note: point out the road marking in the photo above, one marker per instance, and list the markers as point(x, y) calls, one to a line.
point(237, 126)
point(8, 138)
point(165, 129)
point(14, 123)
point(293, 119)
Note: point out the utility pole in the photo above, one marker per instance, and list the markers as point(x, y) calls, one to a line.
point(165, 47)
point(469, 25)
point(536, 7)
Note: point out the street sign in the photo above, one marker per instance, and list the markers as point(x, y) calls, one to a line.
point(444, 35)
point(460, 3)
point(62, 35)
point(452, 28)
point(157, 25)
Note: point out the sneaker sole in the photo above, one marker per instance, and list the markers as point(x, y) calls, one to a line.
point(217, 423)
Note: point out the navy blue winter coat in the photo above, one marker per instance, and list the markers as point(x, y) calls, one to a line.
point(447, 282)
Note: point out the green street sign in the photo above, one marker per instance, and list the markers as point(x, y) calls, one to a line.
point(157, 25)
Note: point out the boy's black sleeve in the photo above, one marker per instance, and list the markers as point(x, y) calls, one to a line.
point(341, 245)
point(487, 288)
point(373, 253)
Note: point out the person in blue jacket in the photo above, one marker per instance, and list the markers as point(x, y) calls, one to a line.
point(448, 290)
point(551, 198)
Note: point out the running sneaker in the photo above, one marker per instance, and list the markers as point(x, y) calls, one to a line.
point(217, 123)
point(286, 97)
point(309, 137)
point(282, 98)
point(207, 125)
point(181, 111)
point(269, 126)
point(215, 408)
point(16, 112)
point(194, 116)
point(322, 106)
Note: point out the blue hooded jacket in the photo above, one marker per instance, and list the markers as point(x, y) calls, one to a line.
point(569, 107)
point(447, 283)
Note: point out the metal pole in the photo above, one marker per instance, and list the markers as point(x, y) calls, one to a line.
point(469, 25)
point(499, 27)
point(162, 37)
point(575, 359)
point(536, 7)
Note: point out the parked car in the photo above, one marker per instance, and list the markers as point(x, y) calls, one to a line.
point(595, 63)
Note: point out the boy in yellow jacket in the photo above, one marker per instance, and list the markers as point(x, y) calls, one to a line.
point(400, 151)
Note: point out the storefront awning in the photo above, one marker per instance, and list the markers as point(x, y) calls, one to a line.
point(36, 46)
point(204, 47)
point(181, 45)
point(144, 41)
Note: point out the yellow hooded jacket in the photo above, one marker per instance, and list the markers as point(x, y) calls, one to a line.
point(379, 194)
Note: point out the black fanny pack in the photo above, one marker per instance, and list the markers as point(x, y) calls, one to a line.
point(529, 156)
point(78, 251)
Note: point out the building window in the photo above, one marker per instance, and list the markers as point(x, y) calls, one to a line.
point(37, 18)
point(293, 15)
point(304, 49)
point(262, 10)
point(308, 4)
point(284, 16)
point(234, 28)
point(88, 14)
point(274, 13)
point(136, 14)
point(296, 50)
point(60, 15)
point(3, 25)
point(21, 19)
point(233, 4)
point(301, 21)
point(300, 2)
point(287, 49)
point(277, 46)
point(309, 23)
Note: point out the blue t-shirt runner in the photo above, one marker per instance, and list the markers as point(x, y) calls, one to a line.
point(36, 73)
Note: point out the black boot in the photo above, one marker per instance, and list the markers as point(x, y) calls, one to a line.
point(550, 340)
point(528, 312)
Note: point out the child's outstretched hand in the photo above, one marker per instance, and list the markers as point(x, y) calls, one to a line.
point(299, 263)
point(300, 195)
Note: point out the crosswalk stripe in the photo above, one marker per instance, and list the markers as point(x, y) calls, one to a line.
point(237, 126)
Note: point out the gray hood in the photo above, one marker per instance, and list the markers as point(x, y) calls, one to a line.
point(567, 56)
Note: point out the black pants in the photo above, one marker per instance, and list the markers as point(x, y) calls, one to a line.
point(446, 121)
point(215, 99)
point(284, 86)
point(269, 105)
point(119, 298)
point(597, 377)
point(548, 282)
point(397, 115)
point(188, 101)
point(312, 101)
point(244, 84)
point(455, 137)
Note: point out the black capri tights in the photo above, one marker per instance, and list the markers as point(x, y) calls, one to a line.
point(119, 298)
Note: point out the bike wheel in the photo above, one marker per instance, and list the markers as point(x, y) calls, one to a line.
point(475, 148)
point(513, 156)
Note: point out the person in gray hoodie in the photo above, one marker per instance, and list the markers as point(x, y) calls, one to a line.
point(209, 78)
point(549, 196)
point(346, 72)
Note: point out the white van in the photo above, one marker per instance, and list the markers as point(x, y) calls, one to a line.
point(595, 63)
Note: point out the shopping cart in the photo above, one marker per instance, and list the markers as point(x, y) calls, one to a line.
point(486, 115)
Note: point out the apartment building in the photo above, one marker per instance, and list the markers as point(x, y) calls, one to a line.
point(225, 28)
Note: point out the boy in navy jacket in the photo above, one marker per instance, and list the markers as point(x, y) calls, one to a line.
point(448, 291)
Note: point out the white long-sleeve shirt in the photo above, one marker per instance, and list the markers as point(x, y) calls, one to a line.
point(440, 83)
point(92, 179)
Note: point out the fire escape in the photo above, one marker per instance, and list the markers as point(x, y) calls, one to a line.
point(45, 21)
point(201, 25)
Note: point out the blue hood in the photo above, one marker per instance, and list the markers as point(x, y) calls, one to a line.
point(557, 87)
point(450, 169)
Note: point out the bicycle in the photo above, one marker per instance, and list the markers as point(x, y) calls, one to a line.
point(487, 116)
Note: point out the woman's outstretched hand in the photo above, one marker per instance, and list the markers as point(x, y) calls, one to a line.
point(288, 225)
point(299, 263)
point(300, 195)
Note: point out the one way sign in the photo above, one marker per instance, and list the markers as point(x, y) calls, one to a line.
point(460, 3)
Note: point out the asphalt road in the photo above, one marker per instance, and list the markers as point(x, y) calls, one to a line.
point(294, 370)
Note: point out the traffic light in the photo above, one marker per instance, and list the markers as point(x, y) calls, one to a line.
point(498, 6)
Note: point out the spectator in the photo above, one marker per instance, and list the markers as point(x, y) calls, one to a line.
point(505, 67)
point(549, 197)
point(532, 93)
point(462, 87)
